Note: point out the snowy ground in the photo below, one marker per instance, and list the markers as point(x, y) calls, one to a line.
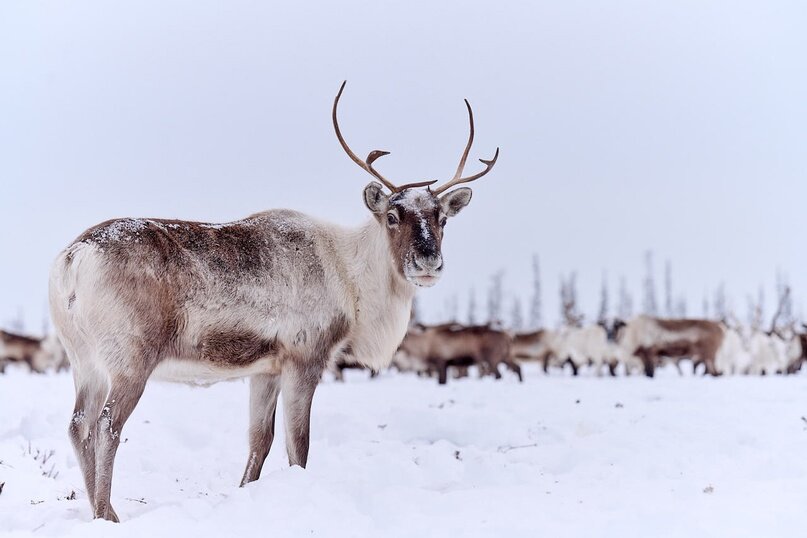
point(401, 456)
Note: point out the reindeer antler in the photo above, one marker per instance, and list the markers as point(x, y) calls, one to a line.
point(367, 164)
point(457, 179)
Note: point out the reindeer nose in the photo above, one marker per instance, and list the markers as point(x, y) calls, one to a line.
point(429, 263)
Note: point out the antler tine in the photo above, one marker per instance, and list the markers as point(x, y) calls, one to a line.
point(470, 143)
point(488, 166)
point(366, 165)
point(457, 179)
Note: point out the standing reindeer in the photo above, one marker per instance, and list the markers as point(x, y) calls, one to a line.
point(274, 297)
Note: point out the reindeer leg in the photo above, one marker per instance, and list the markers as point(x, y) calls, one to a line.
point(442, 373)
point(91, 389)
point(339, 373)
point(710, 368)
point(514, 367)
point(649, 361)
point(123, 396)
point(298, 383)
point(494, 369)
point(263, 393)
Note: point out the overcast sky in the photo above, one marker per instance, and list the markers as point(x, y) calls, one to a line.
point(677, 126)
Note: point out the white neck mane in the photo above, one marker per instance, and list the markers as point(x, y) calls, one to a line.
point(382, 298)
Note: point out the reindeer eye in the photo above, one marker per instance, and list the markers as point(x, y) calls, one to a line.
point(443, 222)
point(392, 220)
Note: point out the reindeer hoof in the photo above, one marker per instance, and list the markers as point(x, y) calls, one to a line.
point(106, 512)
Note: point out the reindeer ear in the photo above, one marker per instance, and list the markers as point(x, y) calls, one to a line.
point(453, 202)
point(375, 199)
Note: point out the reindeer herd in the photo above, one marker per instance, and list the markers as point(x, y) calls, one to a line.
point(639, 346)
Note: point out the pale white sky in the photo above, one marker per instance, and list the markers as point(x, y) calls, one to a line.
point(624, 125)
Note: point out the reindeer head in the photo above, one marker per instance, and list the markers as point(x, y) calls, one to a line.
point(413, 217)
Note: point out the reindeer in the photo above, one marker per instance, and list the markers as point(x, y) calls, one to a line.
point(651, 339)
point(274, 297)
point(443, 346)
point(533, 346)
point(20, 349)
point(795, 366)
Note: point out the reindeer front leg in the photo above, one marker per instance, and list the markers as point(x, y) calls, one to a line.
point(298, 382)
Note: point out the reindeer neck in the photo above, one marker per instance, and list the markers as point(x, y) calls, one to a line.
point(382, 297)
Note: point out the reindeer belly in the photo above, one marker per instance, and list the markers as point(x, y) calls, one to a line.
point(203, 372)
point(219, 355)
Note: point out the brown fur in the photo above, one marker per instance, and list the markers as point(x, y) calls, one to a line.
point(531, 346)
point(236, 348)
point(407, 235)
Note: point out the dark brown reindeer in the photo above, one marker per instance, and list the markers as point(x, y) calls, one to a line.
point(275, 297)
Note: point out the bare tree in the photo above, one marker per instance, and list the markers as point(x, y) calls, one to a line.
point(756, 312)
point(495, 298)
point(17, 323)
point(761, 304)
point(720, 310)
point(602, 316)
point(705, 306)
point(452, 307)
point(568, 301)
point(471, 307)
point(681, 307)
point(668, 290)
point(535, 304)
point(625, 308)
point(45, 325)
point(516, 318)
point(783, 318)
point(785, 311)
point(649, 303)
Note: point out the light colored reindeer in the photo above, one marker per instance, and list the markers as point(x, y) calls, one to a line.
point(651, 339)
point(275, 296)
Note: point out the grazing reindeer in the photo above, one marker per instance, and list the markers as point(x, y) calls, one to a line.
point(275, 296)
point(651, 339)
point(533, 346)
point(19, 349)
point(442, 346)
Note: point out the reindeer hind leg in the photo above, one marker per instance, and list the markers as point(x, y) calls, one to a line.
point(125, 392)
point(91, 389)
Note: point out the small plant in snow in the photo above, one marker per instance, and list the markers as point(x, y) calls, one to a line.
point(42, 458)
